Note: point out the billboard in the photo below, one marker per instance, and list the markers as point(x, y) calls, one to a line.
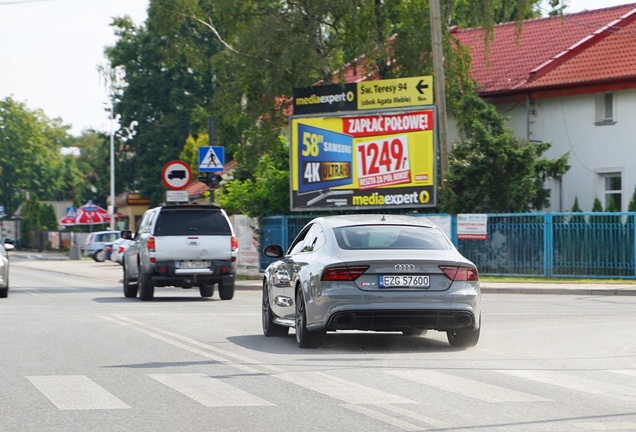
point(364, 160)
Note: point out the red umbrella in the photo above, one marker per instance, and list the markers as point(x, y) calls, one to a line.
point(88, 214)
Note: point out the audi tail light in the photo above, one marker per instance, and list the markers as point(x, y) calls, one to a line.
point(456, 273)
point(344, 273)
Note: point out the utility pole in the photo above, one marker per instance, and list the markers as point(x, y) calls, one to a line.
point(440, 86)
point(113, 208)
point(211, 143)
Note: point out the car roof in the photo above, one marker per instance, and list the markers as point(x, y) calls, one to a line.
point(374, 219)
point(188, 206)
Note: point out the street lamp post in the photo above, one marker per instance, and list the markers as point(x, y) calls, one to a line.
point(112, 211)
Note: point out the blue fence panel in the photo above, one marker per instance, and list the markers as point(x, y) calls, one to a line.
point(598, 245)
point(280, 230)
point(515, 245)
point(585, 244)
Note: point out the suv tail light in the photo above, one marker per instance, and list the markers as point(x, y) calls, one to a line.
point(234, 244)
point(455, 273)
point(343, 273)
point(151, 244)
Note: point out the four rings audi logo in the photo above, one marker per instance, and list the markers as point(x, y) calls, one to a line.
point(405, 267)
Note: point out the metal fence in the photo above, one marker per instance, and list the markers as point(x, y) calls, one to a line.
point(585, 244)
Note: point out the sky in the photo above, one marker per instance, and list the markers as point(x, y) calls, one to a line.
point(50, 51)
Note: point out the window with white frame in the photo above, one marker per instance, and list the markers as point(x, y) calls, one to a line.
point(605, 109)
point(613, 190)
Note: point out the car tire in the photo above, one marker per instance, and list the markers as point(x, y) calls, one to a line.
point(146, 287)
point(206, 290)
point(304, 337)
point(463, 338)
point(130, 287)
point(100, 255)
point(270, 328)
point(4, 292)
point(414, 332)
point(226, 290)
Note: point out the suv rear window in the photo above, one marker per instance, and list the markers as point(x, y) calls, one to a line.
point(174, 222)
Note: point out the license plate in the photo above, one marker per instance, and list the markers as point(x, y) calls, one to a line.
point(194, 264)
point(404, 281)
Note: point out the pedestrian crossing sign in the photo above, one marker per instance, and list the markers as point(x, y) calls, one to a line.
point(211, 159)
point(71, 212)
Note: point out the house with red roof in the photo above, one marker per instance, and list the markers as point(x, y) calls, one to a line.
point(569, 81)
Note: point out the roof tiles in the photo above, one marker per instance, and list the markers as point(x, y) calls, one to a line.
point(577, 48)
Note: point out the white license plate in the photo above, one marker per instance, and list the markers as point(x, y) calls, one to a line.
point(405, 281)
point(193, 264)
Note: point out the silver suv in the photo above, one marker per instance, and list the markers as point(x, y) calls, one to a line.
point(182, 246)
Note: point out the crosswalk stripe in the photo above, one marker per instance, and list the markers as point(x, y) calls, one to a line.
point(403, 412)
point(605, 426)
point(208, 391)
point(383, 418)
point(75, 392)
point(338, 388)
point(630, 372)
point(580, 384)
point(465, 387)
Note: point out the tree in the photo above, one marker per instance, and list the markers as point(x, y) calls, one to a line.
point(30, 155)
point(491, 171)
point(93, 166)
point(168, 88)
point(261, 196)
point(240, 61)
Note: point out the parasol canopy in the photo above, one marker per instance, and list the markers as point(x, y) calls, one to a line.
point(88, 214)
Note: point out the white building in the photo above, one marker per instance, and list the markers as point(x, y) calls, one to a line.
point(569, 81)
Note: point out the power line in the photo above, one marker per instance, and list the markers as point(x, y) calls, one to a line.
point(14, 2)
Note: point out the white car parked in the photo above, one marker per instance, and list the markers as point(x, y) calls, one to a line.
point(118, 248)
point(4, 267)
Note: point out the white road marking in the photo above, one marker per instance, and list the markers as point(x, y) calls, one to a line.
point(465, 387)
point(75, 392)
point(403, 412)
point(338, 388)
point(630, 372)
point(383, 418)
point(208, 391)
point(570, 382)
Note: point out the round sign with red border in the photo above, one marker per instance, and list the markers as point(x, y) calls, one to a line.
point(176, 175)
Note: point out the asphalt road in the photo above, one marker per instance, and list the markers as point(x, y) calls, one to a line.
point(78, 356)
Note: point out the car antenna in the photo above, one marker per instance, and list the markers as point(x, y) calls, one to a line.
point(383, 219)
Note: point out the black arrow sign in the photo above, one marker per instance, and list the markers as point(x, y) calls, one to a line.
point(421, 86)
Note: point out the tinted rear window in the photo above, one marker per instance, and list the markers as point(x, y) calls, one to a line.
point(191, 222)
point(391, 237)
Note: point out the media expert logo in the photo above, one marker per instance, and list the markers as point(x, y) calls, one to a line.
point(327, 98)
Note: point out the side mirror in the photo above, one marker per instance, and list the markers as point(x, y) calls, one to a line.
point(274, 251)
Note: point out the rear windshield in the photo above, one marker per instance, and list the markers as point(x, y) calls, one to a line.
point(191, 222)
point(391, 237)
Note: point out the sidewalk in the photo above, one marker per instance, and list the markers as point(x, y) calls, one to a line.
point(112, 272)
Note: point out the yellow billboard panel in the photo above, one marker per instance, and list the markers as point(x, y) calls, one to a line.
point(364, 161)
point(395, 93)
